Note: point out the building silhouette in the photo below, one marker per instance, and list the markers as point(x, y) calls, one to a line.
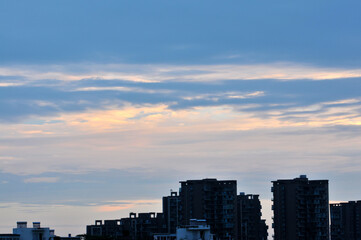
point(9, 236)
point(141, 227)
point(171, 208)
point(251, 226)
point(212, 200)
point(111, 228)
point(229, 217)
point(346, 220)
point(300, 208)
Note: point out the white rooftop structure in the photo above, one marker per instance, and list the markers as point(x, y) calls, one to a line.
point(196, 230)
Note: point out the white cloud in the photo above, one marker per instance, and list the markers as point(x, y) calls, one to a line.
point(161, 73)
point(229, 95)
point(41, 180)
point(9, 84)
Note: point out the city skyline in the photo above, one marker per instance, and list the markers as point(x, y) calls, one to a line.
point(106, 105)
point(268, 213)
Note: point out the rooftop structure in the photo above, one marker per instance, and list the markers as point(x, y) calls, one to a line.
point(196, 230)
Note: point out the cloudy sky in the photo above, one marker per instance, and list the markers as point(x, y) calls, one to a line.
point(106, 105)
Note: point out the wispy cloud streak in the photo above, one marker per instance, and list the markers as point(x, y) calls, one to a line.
point(151, 73)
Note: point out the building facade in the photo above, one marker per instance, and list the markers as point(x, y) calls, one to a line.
point(300, 209)
point(251, 226)
point(212, 200)
point(346, 220)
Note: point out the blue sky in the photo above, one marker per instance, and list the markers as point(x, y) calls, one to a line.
point(106, 105)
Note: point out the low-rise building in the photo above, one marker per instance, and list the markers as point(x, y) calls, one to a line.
point(34, 233)
point(9, 236)
point(165, 236)
point(70, 237)
point(142, 226)
point(196, 230)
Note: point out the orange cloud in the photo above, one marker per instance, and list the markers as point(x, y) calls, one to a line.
point(150, 119)
point(112, 208)
point(125, 205)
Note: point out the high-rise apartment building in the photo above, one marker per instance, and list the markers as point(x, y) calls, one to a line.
point(250, 224)
point(346, 220)
point(171, 207)
point(212, 200)
point(300, 208)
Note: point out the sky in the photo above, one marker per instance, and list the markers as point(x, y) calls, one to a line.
point(106, 105)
